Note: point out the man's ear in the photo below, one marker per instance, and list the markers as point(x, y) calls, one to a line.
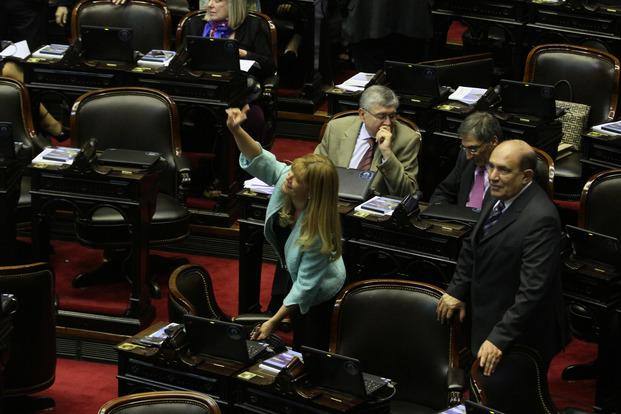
point(361, 114)
point(529, 175)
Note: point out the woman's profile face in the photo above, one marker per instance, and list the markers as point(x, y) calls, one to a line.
point(218, 10)
point(294, 187)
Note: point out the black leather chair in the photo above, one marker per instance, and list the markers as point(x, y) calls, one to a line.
point(31, 365)
point(135, 119)
point(521, 387)
point(594, 78)
point(190, 291)
point(600, 203)
point(162, 402)
point(544, 176)
point(391, 327)
point(16, 109)
point(149, 19)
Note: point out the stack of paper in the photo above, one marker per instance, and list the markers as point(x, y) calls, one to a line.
point(381, 206)
point(53, 51)
point(467, 95)
point(258, 186)
point(157, 58)
point(357, 82)
point(56, 156)
point(609, 128)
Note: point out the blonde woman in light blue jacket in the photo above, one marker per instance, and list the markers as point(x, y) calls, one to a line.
point(302, 225)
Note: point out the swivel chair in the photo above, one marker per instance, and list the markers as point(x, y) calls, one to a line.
point(600, 203)
point(135, 119)
point(16, 109)
point(544, 175)
point(162, 402)
point(391, 327)
point(190, 291)
point(32, 353)
point(149, 19)
point(593, 76)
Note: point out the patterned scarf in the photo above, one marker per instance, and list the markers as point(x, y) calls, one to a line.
point(218, 30)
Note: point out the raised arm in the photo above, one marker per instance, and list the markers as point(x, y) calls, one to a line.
point(245, 143)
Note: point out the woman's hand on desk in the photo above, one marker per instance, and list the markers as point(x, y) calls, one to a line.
point(264, 330)
point(243, 53)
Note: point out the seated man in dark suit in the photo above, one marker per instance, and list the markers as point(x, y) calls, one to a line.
point(468, 181)
point(374, 140)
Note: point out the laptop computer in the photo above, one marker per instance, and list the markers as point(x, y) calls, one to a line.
point(354, 185)
point(340, 373)
point(115, 157)
point(212, 55)
point(591, 248)
point(211, 337)
point(107, 43)
point(469, 407)
point(451, 212)
point(530, 99)
point(416, 84)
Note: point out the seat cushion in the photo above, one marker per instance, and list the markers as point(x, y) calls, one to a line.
point(568, 181)
point(170, 222)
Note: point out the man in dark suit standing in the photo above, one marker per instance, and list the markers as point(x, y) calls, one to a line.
point(508, 270)
point(467, 183)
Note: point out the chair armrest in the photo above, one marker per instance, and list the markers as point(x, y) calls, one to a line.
point(184, 176)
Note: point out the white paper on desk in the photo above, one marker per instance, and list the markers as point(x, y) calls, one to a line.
point(258, 186)
point(18, 50)
point(246, 64)
point(56, 156)
point(467, 94)
point(357, 82)
point(614, 124)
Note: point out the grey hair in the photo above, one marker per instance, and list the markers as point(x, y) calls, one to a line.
point(481, 125)
point(378, 95)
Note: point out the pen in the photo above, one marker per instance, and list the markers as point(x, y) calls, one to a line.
point(47, 157)
point(377, 210)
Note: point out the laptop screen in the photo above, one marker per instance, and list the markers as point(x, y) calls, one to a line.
point(107, 43)
point(594, 246)
point(333, 371)
point(354, 184)
point(413, 79)
point(212, 55)
point(216, 338)
point(528, 99)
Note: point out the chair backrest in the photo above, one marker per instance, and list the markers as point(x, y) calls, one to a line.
point(544, 176)
point(162, 402)
point(16, 108)
point(600, 203)
point(32, 355)
point(391, 327)
point(519, 384)
point(130, 118)
point(593, 75)
point(149, 19)
point(343, 114)
point(193, 22)
point(191, 292)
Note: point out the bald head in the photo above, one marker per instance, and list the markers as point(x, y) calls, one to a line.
point(511, 167)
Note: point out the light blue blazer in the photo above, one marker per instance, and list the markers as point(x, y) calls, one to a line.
point(315, 278)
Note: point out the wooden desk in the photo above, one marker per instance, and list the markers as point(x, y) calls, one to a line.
point(131, 193)
point(372, 248)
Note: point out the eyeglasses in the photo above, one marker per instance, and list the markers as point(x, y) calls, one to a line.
point(382, 116)
point(472, 149)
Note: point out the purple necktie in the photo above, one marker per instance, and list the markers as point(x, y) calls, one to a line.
point(477, 191)
point(367, 158)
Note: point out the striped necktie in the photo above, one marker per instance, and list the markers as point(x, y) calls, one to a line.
point(493, 218)
point(367, 158)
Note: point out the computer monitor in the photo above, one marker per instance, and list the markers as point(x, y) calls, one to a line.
point(212, 55)
point(528, 99)
point(107, 43)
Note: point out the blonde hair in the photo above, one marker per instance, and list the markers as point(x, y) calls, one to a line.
point(322, 219)
point(238, 10)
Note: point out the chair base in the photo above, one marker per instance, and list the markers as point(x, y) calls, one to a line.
point(26, 404)
point(579, 372)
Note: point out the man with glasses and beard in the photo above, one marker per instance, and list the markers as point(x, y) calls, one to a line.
point(374, 140)
point(467, 183)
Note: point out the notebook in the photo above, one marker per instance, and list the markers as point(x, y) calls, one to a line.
point(211, 337)
point(212, 55)
point(451, 212)
point(416, 84)
point(340, 373)
point(354, 185)
point(107, 43)
point(128, 158)
point(594, 248)
point(530, 99)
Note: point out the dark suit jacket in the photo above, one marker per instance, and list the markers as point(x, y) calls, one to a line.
point(511, 276)
point(455, 188)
